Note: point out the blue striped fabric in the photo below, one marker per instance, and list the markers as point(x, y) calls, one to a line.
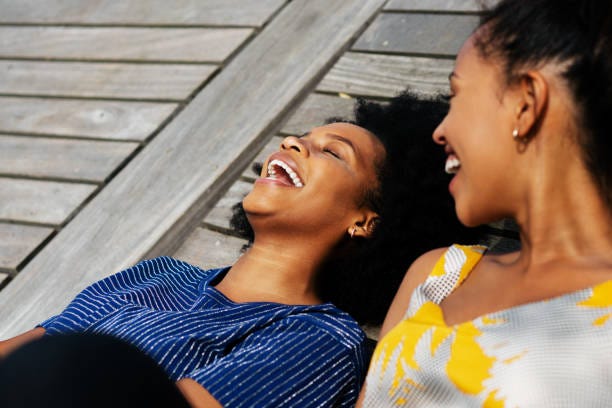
point(256, 354)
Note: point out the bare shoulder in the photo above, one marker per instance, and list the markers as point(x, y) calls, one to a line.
point(416, 274)
point(7, 346)
point(196, 395)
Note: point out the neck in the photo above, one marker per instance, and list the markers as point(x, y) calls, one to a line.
point(564, 217)
point(281, 270)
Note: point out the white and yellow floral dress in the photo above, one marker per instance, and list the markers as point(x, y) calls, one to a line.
point(551, 353)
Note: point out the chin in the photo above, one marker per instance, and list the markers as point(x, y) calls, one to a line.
point(254, 203)
point(469, 217)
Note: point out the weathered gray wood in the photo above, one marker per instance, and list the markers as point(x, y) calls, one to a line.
point(219, 216)
point(270, 147)
point(126, 44)
point(315, 111)
point(59, 158)
point(425, 34)
point(434, 5)
point(383, 75)
point(108, 80)
point(149, 206)
point(209, 249)
point(17, 242)
point(505, 224)
point(100, 119)
point(500, 244)
point(44, 202)
point(3, 277)
point(151, 12)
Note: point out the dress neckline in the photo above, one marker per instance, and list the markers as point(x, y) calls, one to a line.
point(578, 293)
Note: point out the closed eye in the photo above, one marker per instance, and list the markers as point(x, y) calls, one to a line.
point(333, 153)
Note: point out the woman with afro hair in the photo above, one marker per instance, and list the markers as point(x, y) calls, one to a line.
point(337, 215)
point(416, 212)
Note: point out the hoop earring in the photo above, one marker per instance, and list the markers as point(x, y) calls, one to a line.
point(515, 133)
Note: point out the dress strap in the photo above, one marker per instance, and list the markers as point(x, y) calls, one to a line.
point(453, 267)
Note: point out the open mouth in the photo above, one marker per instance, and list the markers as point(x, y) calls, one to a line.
point(281, 171)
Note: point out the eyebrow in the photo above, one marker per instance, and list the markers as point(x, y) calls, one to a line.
point(337, 137)
point(341, 139)
point(334, 136)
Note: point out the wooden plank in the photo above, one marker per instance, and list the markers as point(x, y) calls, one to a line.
point(59, 158)
point(315, 111)
point(209, 249)
point(17, 242)
point(220, 215)
point(118, 43)
point(138, 12)
point(425, 34)
point(102, 80)
point(151, 205)
point(44, 202)
point(99, 119)
point(506, 224)
point(499, 244)
point(383, 75)
point(434, 5)
point(270, 147)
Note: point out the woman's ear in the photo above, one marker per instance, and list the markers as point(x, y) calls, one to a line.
point(532, 101)
point(365, 226)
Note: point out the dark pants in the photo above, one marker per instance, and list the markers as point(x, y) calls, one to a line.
point(84, 371)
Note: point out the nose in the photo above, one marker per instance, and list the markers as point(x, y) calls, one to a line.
point(438, 134)
point(294, 143)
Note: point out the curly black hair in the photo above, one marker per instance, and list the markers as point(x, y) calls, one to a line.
point(416, 210)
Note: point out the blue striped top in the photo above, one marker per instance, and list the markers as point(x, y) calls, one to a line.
point(245, 354)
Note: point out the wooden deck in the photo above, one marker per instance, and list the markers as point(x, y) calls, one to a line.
point(127, 128)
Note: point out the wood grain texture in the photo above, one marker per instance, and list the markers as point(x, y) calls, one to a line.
point(425, 34)
point(209, 249)
point(138, 12)
point(84, 118)
point(17, 242)
point(315, 111)
point(149, 206)
point(219, 216)
point(102, 80)
point(44, 202)
point(118, 43)
point(435, 5)
point(58, 158)
point(383, 75)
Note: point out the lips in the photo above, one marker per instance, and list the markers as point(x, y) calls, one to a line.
point(280, 170)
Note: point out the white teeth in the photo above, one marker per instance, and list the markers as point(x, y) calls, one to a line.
point(292, 174)
point(452, 165)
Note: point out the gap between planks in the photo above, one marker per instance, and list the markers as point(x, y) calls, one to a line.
point(155, 199)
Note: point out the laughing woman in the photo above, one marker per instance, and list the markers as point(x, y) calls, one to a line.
point(527, 137)
point(264, 332)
